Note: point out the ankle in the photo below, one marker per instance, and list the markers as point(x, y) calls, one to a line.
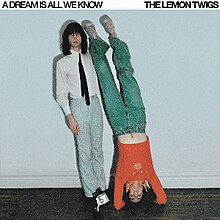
point(113, 35)
point(101, 198)
point(108, 25)
point(89, 28)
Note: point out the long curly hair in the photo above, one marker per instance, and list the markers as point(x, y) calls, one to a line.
point(71, 29)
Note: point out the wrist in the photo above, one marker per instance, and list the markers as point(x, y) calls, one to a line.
point(69, 116)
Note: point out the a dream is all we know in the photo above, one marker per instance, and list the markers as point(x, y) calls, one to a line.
point(51, 4)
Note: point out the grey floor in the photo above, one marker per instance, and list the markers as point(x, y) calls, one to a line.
point(65, 204)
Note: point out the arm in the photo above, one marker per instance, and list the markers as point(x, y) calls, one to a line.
point(73, 125)
point(158, 189)
point(62, 98)
point(153, 178)
point(118, 192)
point(62, 89)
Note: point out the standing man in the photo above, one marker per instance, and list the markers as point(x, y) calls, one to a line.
point(76, 94)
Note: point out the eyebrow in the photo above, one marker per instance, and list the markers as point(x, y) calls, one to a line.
point(138, 196)
point(132, 199)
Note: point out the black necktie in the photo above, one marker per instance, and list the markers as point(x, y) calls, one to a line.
point(84, 87)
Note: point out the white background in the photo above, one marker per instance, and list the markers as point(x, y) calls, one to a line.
point(176, 58)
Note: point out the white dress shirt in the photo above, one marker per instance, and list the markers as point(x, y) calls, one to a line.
point(68, 79)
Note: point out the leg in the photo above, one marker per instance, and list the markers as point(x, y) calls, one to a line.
point(83, 147)
point(96, 128)
point(130, 89)
point(112, 100)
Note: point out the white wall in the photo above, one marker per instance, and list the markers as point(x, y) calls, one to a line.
point(176, 56)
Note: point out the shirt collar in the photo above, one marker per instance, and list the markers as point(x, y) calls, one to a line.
point(74, 52)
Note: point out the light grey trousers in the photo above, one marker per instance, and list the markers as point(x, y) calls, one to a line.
point(89, 143)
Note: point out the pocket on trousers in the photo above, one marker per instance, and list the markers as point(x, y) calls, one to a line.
point(75, 107)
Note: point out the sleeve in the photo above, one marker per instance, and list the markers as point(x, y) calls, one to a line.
point(62, 89)
point(118, 191)
point(158, 189)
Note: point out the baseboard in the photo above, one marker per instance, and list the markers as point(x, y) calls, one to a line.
point(56, 179)
point(69, 179)
point(192, 179)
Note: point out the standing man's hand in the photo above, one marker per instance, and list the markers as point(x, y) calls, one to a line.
point(73, 125)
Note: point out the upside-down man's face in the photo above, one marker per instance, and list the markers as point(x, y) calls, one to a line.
point(136, 192)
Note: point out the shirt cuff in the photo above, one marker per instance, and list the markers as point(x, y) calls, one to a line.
point(67, 110)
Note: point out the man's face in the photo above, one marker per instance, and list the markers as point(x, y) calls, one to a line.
point(75, 41)
point(136, 192)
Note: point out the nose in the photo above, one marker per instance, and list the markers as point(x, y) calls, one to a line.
point(135, 193)
point(74, 36)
